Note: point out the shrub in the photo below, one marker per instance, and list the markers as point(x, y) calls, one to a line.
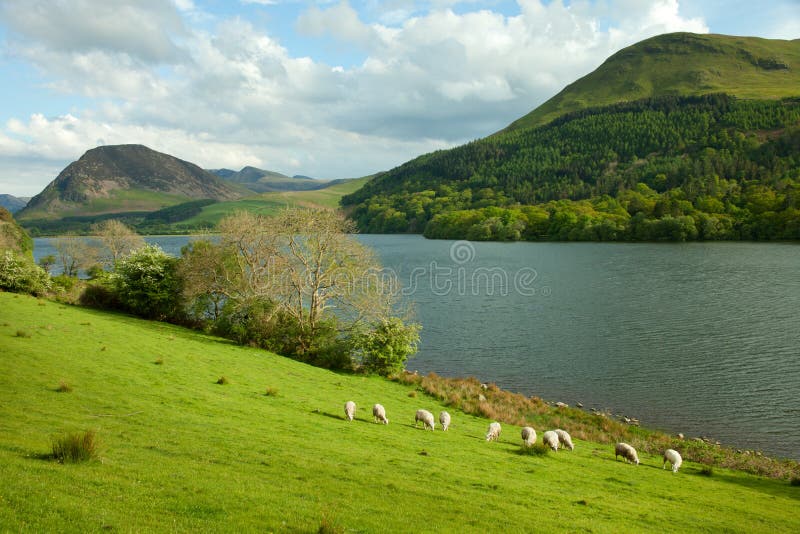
point(795, 481)
point(147, 284)
point(75, 447)
point(18, 274)
point(385, 349)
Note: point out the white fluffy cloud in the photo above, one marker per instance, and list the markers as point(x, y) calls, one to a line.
point(233, 96)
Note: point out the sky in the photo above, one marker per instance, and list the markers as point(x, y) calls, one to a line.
point(328, 89)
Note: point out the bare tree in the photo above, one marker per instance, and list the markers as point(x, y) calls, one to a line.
point(75, 254)
point(118, 240)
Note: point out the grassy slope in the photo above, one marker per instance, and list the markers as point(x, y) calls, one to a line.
point(269, 203)
point(680, 64)
point(119, 201)
point(182, 453)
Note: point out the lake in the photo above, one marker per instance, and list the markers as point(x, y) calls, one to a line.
point(699, 338)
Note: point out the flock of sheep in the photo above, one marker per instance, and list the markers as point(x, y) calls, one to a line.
point(551, 438)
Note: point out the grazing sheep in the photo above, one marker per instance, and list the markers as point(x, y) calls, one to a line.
point(349, 410)
point(565, 439)
point(444, 419)
point(426, 417)
point(379, 414)
point(550, 439)
point(627, 452)
point(528, 436)
point(494, 431)
point(674, 458)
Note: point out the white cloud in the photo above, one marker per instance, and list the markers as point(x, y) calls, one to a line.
point(232, 95)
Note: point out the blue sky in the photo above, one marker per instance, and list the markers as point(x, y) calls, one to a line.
point(330, 89)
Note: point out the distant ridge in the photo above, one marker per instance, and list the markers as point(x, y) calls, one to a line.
point(124, 178)
point(263, 181)
point(12, 203)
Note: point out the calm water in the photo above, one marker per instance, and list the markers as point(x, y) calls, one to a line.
point(698, 338)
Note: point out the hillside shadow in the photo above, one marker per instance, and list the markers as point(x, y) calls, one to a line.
point(770, 486)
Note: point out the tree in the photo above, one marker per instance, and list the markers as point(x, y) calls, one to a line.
point(385, 348)
point(147, 284)
point(118, 240)
point(75, 254)
point(300, 277)
point(45, 262)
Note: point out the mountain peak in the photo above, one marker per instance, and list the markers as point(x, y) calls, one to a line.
point(681, 64)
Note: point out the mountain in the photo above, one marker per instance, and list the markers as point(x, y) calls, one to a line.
point(13, 236)
point(12, 203)
point(681, 64)
point(124, 178)
point(672, 166)
point(262, 181)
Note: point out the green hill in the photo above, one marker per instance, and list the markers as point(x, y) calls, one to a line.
point(260, 180)
point(270, 451)
point(674, 166)
point(681, 64)
point(120, 179)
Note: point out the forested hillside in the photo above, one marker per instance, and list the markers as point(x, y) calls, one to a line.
point(666, 168)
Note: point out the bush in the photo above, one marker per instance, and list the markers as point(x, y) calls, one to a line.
point(795, 481)
point(100, 294)
point(75, 447)
point(385, 349)
point(18, 274)
point(147, 284)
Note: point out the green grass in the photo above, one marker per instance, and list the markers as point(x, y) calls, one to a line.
point(681, 64)
point(271, 203)
point(181, 453)
point(119, 201)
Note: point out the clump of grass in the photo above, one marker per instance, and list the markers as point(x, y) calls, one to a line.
point(75, 447)
point(412, 394)
point(329, 524)
point(22, 333)
point(706, 471)
point(537, 449)
point(159, 361)
point(64, 387)
point(271, 392)
point(795, 481)
point(222, 381)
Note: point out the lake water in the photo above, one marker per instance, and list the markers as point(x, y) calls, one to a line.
point(700, 338)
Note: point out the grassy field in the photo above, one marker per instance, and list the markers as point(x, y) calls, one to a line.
point(180, 452)
point(270, 203)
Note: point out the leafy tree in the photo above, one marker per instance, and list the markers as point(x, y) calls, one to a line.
point(385, 347)
point(19, 274)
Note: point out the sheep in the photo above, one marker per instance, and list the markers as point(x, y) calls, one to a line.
point(494, 431)
point(528, 436)
point(627, 452)
point(673, 457)
point(426, 417)
point(550, 439)
point(564, 438)
point(444, 419)
point(349, 410)
point(379, 414)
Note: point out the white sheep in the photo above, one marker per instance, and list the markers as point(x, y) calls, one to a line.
point(627, 452)
point(674, 458)
point(550, 439)
point(528, 436)
point(565, 439)
point(379, 414)
point(349, 410)
point(494, 431)
point(426, 417)
point(444, 420)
